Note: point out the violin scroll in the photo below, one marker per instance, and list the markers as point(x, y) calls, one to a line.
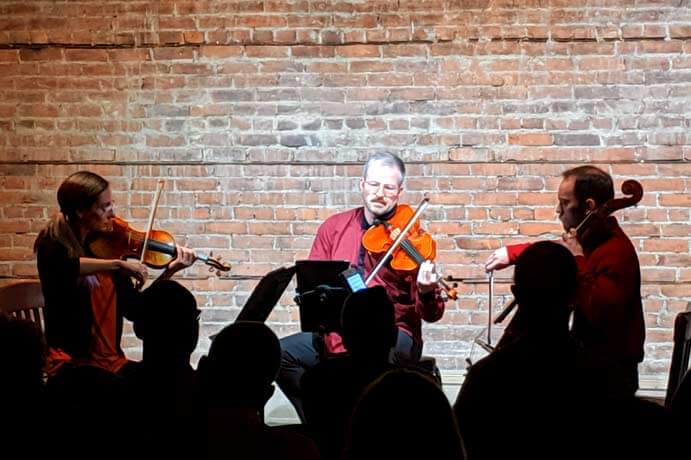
point(214, 263)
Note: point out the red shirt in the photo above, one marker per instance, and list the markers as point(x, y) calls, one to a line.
point(609, 312)
point(340, 238)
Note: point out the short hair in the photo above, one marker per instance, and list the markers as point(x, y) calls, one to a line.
point(244, 355)
point(368, 320)
point(591, 182)
point(168, 317)
point(545, 273)
point(386, 159)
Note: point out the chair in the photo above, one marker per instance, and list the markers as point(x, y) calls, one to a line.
point(680, 353)
point(23, 299)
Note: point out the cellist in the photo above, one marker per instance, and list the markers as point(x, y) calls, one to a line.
point(415, 295)
point(608, 312)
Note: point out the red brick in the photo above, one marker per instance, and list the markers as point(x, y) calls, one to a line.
point(359, 51)
point(273, 21)
point(680, 31)
point(531, 139)
point(314, 52)
point(267, 51)
point(675, 200)
point(570, 33)
point(9, 56)
point(667, 47)
point(173, 53)
point(44, 54)
point(117, 55)
point(169, 37)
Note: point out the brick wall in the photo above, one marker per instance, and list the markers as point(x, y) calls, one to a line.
point(258, 113)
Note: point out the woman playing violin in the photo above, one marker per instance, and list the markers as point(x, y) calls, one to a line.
point(86, 298)
point(415, 294)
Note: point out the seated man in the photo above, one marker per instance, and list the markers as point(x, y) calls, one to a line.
point(416, 295)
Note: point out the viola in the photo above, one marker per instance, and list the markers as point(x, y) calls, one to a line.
point(123, 242)
point(417, 247)
point(404, 242)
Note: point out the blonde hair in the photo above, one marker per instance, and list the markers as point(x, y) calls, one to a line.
point(76, 193)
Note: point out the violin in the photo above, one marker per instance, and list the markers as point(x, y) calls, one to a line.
point(404, 243)
point(593, 222)
point(123, 242)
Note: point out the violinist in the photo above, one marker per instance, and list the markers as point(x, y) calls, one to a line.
point(86, 298)
point(608, 316)
point(415, 294)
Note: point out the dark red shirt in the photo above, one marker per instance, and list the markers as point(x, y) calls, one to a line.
point(609, 312)
point(340, 238)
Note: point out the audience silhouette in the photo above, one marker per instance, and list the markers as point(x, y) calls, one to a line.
point(331, 388)
point(236, 382)
point(403, 415)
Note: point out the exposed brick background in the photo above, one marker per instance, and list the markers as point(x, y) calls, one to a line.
point(259, 113)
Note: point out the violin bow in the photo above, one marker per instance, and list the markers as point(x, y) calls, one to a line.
point(159, 188)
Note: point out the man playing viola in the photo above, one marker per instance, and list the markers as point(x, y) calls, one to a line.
point(608, 316)
point(415, 294)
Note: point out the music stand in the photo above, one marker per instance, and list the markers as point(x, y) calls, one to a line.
point(320, 294)
point(266, 294)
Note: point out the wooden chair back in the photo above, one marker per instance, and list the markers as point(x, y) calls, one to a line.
point(23, 299)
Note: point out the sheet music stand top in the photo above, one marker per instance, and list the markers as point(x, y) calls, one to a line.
point(320, 294)
point(266, 294)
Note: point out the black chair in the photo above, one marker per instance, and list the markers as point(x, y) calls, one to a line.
point(680, 353)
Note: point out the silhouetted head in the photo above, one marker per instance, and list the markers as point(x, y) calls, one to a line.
point(403, 415)
point(169, 322)
point(545, 282)
point(242, 364)
point(368, 322)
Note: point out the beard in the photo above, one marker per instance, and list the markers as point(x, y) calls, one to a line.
point(380, 207)
point(572, 218)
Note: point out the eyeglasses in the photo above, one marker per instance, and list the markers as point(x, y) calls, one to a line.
point(388, 189)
